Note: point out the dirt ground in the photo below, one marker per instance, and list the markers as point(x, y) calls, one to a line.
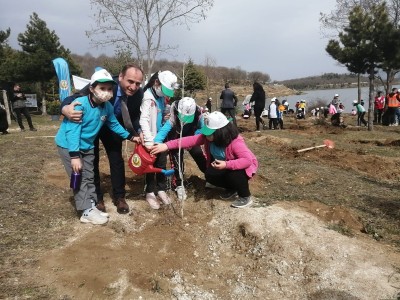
point(325, 224)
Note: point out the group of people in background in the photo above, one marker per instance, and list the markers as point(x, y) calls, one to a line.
point(112, 110)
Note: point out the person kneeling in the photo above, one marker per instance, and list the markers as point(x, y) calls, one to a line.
point(229, 162)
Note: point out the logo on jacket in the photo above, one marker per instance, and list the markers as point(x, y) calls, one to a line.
point(103, 118)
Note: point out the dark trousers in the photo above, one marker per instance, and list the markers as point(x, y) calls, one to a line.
point(198, 156)
point(274, 122)
point(25, 112)
point(231, 112)
point(156, 182)
point(257, 113)
point(360, 119)
point(235, 180)
point(112, 143)
point(378, 116)
point(391, 114)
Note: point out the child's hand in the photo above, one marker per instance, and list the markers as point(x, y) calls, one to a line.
point(219, 164)
point(76, 164)
point(158, 148)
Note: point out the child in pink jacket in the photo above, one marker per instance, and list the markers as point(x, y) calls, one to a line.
point(229, 162)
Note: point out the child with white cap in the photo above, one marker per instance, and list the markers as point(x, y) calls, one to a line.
point(75, 142)
point(186, 119)
point(229, 162)
point(160, 87)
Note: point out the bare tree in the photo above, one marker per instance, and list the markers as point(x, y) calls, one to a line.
point(209, 62)
point(139, 24)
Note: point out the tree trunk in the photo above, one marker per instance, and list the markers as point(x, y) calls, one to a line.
point(7, 107)
point(371, 99)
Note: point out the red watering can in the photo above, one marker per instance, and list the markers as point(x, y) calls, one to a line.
point(141, 162)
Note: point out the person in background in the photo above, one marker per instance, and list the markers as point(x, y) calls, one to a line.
point(160, 86)
point(335, 101)
point(391, 105)
point(230, 164)
point(273, 114)
point(126, 100)
point(208, 104)
point(257, 100)
point(281, 109)
point(229, 102)
point(360, 113)
point(19, 107)
point(75, 142)
point(186, 119)
point(379, 105)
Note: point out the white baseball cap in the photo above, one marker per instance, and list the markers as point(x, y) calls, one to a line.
point(186, 109)
point(336, 95)
point(168, 82)
point(214, 121)
point(355, 101)
point(273, 99)
point(101, 76)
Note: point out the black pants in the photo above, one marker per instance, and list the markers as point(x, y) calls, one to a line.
point(378, 116)
point(360, 119)
point(25, 112)
point(257, 113)
point(231, 112)
point(391, 115)
point(236, 180)
point(273, 121)
point(112, 143)
point(198, 156)
point(157, 181)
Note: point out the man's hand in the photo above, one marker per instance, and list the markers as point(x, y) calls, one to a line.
point(72, 114)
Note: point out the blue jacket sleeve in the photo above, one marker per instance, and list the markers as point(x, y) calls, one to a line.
point(200, 124)
point(114, 125)
point(163, 132)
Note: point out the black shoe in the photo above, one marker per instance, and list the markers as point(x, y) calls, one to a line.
point(228, 194)
point(242, 202)
point(22, 129)
point(33, 129)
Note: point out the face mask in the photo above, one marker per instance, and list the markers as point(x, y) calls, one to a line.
point(158, 91)
point(103, 96)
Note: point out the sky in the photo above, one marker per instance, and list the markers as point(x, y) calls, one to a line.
point(280, 38)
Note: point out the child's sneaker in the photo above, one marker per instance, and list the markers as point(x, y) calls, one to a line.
point(152, 200)
point(102, 213)
point(242, 202)
point(92, 216)
point(228, 194)
point(164, 197)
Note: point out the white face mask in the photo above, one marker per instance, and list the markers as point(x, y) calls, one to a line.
point(158, 91)
point(102, 96)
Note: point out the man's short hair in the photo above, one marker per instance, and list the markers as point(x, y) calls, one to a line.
point(226, 85)
point(131, 65)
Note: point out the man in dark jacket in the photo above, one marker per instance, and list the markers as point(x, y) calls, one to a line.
point(19, 107)
point(127, 94)
point(229, 101)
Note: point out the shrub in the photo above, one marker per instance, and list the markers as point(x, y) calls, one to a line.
point(53, 107)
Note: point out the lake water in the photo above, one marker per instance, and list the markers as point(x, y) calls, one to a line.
point(346, 96)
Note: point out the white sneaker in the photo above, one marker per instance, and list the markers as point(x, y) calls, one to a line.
point(152, 200)
point(93, 217)
point(181, 193)
point(102, 213)
point(164, 197)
